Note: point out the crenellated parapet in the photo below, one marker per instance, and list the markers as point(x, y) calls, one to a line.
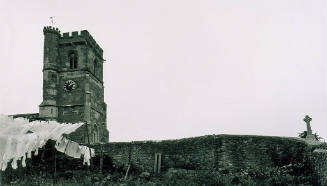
point(50, 29)
point(91, 41)
point(84, 37)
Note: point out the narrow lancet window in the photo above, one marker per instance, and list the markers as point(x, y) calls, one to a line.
point(95, 67)
point(72, 60)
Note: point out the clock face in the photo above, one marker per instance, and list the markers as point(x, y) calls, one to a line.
point(70, 85)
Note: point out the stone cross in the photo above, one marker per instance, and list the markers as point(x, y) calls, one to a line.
point(307, 120)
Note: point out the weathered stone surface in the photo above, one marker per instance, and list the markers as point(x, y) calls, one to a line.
point(84, 103)
point(222, 152)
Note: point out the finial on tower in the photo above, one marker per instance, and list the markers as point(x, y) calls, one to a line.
point(52, 20)
point(52, 28)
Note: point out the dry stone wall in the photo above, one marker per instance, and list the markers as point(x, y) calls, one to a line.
point(210, 152)
point(224, 152)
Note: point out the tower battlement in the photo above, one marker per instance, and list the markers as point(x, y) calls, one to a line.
point(84, 35)
point(50, 29)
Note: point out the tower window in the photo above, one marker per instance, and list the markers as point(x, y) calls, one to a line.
point(72, 56)
point(95, 67)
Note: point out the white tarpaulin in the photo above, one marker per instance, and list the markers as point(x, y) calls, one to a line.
point(19, 137)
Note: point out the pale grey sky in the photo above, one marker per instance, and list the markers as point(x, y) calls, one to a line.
point(182, 68)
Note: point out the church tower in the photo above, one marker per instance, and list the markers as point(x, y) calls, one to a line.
point(73, 88)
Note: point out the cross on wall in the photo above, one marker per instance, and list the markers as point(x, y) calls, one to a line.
point(307, 120)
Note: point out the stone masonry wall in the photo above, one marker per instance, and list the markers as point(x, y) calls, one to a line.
point(319, 162)
point(211, 152)
point(224, 152)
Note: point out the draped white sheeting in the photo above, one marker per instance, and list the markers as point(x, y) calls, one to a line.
point(19, 137)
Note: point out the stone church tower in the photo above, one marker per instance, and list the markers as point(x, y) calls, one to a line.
point(73, 88)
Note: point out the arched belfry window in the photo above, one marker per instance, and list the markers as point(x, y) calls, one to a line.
point(95, 67)
point(73, 60)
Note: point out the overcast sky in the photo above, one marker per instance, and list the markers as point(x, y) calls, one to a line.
point(182, 68)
